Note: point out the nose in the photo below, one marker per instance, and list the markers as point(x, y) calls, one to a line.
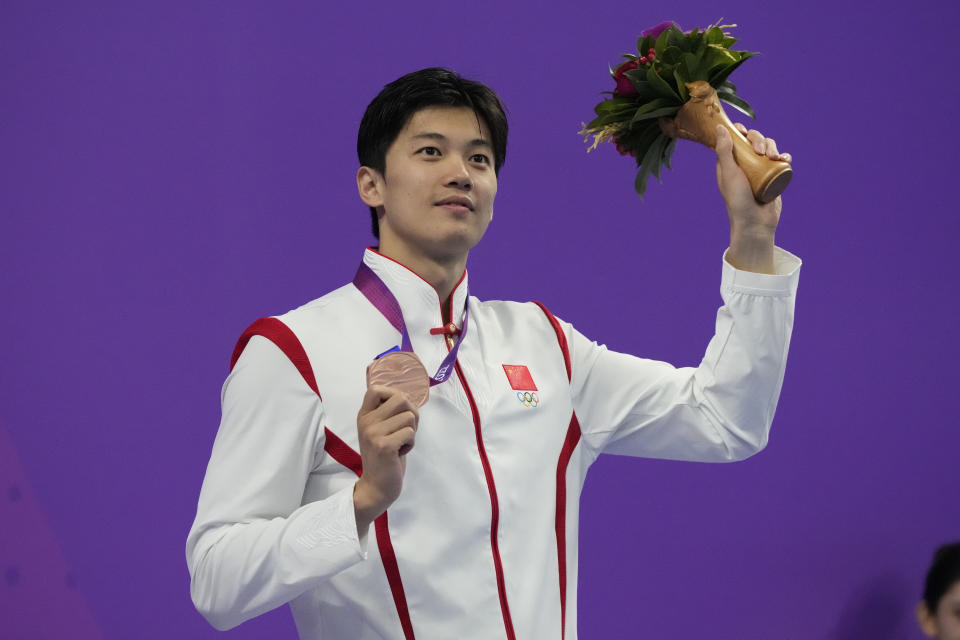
point(459, 176)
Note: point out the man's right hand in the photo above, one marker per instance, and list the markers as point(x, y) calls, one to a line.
point(386, 423)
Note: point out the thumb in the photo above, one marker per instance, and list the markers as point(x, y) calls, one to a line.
point(724, 147)
point(726, 165)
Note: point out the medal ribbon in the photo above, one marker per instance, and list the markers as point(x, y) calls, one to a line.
point(380, 296)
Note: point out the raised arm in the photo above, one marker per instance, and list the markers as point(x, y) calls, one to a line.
point(722, 409)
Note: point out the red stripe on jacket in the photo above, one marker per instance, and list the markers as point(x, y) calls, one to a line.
point(569, 444)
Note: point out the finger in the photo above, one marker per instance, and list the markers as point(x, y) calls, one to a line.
point(375, 396)
point(757, 140)
point(786, 157)
point(772, 152)
point(401, 441)
point(396, 404)
point(398, 422)
point(742, 129)
point(384, 401)
point(378, 423)
point(724, 149)
point(377, 436)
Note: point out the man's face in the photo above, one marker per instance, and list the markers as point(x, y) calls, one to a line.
point(944, 623)
point(438, 189)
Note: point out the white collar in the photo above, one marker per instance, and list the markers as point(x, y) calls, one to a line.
point(418, 300)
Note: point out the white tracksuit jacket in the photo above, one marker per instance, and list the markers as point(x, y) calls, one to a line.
point(482, 542)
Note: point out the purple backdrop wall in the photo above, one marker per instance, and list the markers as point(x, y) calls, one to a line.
point(171, 171)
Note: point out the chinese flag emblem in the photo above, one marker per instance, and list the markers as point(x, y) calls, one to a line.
point(519, 377)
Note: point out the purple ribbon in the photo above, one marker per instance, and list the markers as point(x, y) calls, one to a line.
point(380, 296)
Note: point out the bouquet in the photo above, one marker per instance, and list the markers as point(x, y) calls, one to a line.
point(672, 89)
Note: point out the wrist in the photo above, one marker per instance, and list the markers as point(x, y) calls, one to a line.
point(367, 504)
point(752, 251)
point(752, 233)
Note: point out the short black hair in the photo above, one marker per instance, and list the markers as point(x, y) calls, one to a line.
point(943, 574)
point(393, 107)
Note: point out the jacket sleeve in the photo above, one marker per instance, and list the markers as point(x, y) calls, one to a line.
point(253, 545)
point(719, 411)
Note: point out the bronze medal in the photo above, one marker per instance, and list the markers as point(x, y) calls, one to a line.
point(401, 370)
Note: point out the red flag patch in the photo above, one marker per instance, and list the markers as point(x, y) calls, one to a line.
point(519, 377)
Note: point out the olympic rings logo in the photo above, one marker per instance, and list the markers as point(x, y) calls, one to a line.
point(528, 398)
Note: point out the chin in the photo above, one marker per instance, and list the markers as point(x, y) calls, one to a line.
point(453, 245)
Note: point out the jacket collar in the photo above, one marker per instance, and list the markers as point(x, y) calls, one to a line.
point(418, 300)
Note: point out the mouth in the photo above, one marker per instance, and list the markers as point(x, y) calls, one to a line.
point(457, 203)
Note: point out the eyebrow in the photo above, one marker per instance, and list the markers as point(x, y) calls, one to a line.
point(476, 142)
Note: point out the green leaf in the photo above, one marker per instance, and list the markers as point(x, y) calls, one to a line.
point(676, 37)
point(727, 86)
point(608, 118)
point(690, 67)
point(737, 103)
point(721, 74)
point(716, 58)
point(663, 112)
point(644, 90)
point(672, 55)
point(650, 163)
point(601, 121)
point(656, 150)
point(640, 183)
point(714, 35)
point(660, 86)
point(637, 75)
point(681, 84)
point(649, 131)
point(641, 137)
point(617, 103)
point(661, 42)
point(668, 152)
point(656, 103)
point(643, 44)
point(688, 43)
point(640, 83)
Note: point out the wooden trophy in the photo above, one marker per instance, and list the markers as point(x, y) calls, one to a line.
point(697, 120)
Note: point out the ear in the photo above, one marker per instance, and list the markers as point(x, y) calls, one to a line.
point(370, 186)
point(928, 622)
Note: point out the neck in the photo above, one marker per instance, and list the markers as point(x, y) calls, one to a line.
point(443, 275)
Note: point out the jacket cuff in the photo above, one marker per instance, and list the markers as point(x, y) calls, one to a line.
point(326, 534)
point(782, 283)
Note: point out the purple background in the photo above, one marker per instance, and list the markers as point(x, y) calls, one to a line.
point(169, 172)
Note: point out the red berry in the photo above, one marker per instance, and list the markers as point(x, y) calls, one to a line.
point(651, 51)
point(643, 61)
point(651, 56)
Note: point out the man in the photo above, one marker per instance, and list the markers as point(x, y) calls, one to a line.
point(471, 499)
point(939, 611)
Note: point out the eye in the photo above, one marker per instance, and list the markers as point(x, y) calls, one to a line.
point(430, 151)
point(480, 158)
